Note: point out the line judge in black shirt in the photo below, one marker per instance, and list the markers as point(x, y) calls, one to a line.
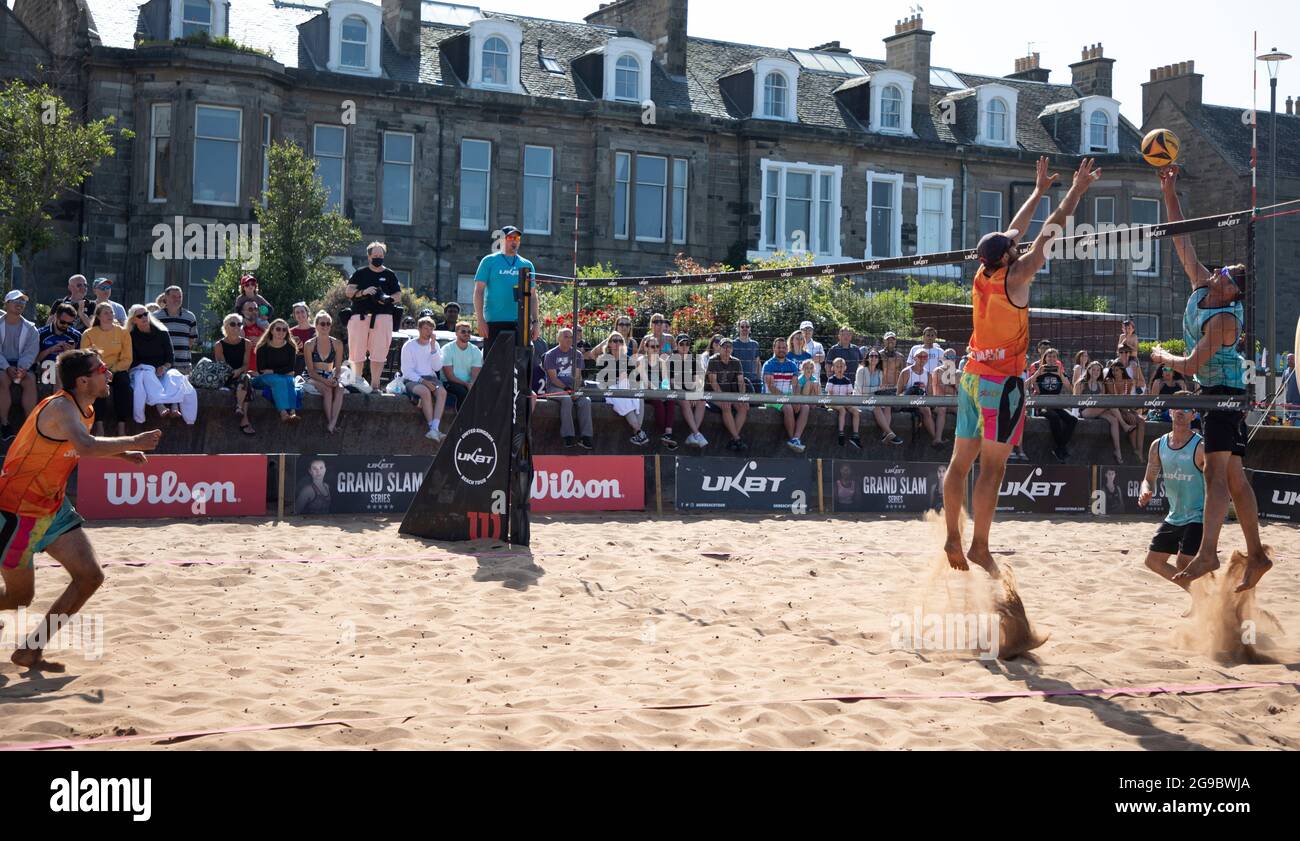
point(374, 291)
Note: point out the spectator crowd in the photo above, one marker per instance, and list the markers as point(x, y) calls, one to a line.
point(152, 350)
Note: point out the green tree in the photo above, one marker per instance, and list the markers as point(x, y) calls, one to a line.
point(44, 153)
point(295, 235)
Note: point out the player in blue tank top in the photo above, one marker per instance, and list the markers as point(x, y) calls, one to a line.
point(1212, 324)
point(1178, 459)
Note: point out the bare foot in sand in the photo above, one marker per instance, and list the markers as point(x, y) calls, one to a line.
point(956, 559)
point(1255, 569)
point(1198, 567)
point(30, 658)
point(981, 556)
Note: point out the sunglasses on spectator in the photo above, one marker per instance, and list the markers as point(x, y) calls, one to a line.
point(280, 330)
point(324, 323)
point(657, 321)
point(66, 323)
point(144, 315)
point(616, 341)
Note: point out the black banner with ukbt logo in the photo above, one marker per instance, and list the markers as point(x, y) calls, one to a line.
point(1045, 489)
point(741, 484)
point(464, 495)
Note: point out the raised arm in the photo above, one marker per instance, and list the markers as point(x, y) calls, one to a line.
point(1196, 271)
point(1043, 181)
point(1023, 270)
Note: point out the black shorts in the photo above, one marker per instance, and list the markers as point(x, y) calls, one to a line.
point(1177, 540)
point(1225, 432)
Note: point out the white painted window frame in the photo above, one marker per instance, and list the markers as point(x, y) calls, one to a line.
point(946, 185)
point(895, 235)
point(789, 70)
point(479, 32)
point(239, 153)
point(880, 80)
point(410, 176)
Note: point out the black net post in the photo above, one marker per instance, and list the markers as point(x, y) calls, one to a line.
point(521, 443)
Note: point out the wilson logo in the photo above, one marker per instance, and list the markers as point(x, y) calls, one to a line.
point(564, 485)
point(133, 488)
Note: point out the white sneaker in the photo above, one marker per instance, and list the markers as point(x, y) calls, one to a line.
point(433, 434)
point(700, 440)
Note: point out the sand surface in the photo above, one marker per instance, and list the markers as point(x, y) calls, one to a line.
point(428, 646)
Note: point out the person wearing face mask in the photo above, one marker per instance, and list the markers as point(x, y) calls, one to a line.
point(374, 291)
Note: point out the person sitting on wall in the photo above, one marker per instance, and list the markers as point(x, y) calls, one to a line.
point(563, 367)
point(154, 382)
point(19, 344)
point(275, 354)
point(421, 363)
point(323, 354)
point(59, 335)
point(461, 363)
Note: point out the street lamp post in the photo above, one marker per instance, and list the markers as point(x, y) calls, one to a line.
point(1271, 61)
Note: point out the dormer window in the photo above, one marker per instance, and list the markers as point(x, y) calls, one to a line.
point(626, 69)
point(774, 96)
point(354, 39)
point(494, 45)
point(627, 79)
point(997, 115)
point(776, 89)
point(1099, 129)
point(996, 128)
point(355, 36)
point(891, 102)
point(496, 63)
point(196, 18)
point(190, 18)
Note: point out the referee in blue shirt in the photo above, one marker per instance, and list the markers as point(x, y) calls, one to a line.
point(494, 289)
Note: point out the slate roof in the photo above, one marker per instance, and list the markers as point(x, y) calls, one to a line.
point(273, 25)
point(1224, 129)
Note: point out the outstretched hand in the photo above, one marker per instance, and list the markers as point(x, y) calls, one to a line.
point(1044, 180)
point(1169, 177)
point(1086, 175)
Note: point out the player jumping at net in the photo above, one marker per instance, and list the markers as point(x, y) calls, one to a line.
point(991, 394)
point(1178, 459)
point(35, 515)
point(1212, 323)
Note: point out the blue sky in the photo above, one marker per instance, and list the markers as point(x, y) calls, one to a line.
point(988, 37)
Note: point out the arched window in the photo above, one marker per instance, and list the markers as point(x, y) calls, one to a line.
point(997, 117)
point(1099, 132)
point(891, 108)
point(627, 79)
point(775, 90)
point(196, 18)
point(355, 37)
point(496, 62)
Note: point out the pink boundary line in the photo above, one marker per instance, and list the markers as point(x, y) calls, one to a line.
point(1194, 689)
point(241, 561)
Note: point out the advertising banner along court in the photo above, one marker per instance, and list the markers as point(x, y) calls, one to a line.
point(172, 486)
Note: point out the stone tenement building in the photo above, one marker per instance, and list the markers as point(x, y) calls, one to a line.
point(436, 124)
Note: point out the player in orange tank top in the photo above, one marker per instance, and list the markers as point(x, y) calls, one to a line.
point(35, 515)
point(991, 396)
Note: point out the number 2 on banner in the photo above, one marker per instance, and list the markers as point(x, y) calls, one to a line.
point(484, 526)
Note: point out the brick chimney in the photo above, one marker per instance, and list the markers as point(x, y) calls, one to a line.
point(402, 22)
point(659, 22)
point(908, 49)
point(1092, 75)
point(1290, 106)
point(1180, 82)
point(60, 25)
point(1028, 69)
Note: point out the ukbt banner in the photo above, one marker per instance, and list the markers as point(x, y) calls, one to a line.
point(172, 486)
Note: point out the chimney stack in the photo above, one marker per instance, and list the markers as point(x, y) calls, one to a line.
point(1029, 69)
point(1180, 82)
point(1093, 74)
point(402, 21)
point(1289, 106)
point(908, 49)
point(658, 22)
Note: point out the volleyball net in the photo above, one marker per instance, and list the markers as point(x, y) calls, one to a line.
point(1096, 277)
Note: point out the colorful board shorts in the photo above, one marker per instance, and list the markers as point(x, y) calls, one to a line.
point(22, 537)
point(991, 407)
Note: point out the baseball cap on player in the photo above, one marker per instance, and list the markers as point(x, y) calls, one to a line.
point(992, 246)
